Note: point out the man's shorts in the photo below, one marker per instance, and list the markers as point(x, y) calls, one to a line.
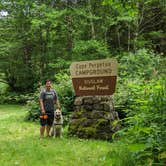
point(48, 121)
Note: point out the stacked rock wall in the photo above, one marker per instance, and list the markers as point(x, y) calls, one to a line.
point(93, 117)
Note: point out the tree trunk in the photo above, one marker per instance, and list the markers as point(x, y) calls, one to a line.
point(129, 37)
point(69, 34)
point(140, 8)
point(41, 65)
point(91, 20)
point(118, 36)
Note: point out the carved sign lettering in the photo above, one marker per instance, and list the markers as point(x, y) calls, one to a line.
point(94, 77)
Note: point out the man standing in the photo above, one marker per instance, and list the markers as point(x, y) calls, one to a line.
point(48, 97)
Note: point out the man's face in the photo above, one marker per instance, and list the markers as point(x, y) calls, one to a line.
point(48, 84)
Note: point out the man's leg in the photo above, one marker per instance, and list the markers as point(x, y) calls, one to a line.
point(49, 123)
point(42, 129)
point(43, 123)
point(48, 130)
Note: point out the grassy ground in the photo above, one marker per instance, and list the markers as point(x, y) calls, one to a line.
point(20, 145)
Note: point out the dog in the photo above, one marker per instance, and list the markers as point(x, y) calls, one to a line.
point(57, 124)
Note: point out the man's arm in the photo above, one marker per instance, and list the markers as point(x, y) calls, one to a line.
point(42, 106)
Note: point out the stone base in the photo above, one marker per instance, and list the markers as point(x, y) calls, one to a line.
point(93, 117)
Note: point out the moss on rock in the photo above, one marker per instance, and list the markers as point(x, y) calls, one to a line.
point(93, 118)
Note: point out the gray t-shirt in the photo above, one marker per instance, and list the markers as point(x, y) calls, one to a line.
point(48, 97)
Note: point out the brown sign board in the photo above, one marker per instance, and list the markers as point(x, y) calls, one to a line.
point(94, 77)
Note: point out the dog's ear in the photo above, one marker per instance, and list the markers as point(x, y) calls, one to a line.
point(58, 110)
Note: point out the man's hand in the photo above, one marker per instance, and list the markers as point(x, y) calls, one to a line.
point(43, 111)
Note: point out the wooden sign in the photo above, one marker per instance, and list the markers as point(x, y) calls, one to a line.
point(94, 77)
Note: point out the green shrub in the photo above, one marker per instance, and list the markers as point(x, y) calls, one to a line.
point(143, 64)
point(145, 121)
point(32, 106)
point(15, 97)
point(3, 87)
point(65, 94)
point(135, 71)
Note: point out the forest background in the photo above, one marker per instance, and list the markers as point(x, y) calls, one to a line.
point(40, 39)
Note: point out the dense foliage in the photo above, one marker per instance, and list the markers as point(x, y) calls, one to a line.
point(144, 123)
point(40, 39)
